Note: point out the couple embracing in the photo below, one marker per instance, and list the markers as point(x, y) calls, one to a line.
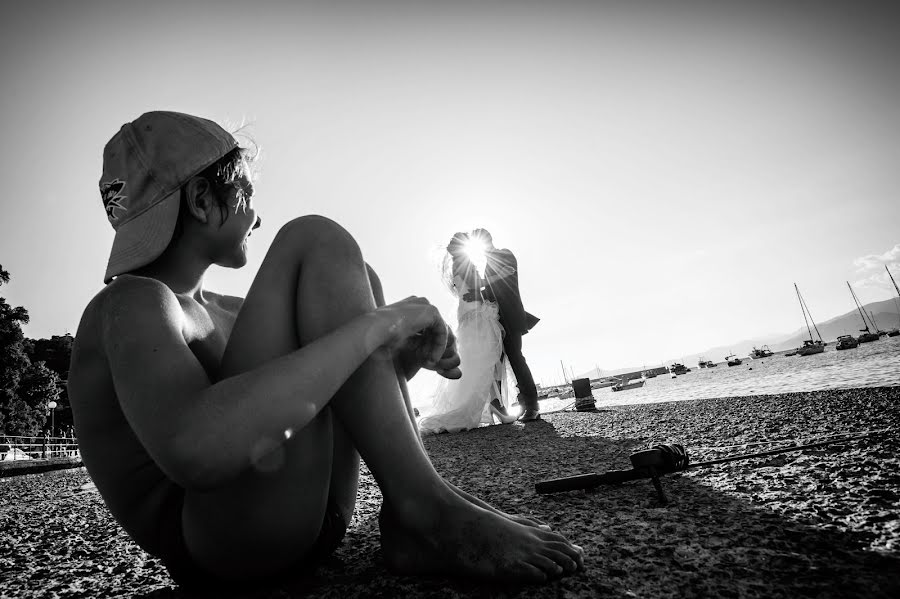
point(491, 321)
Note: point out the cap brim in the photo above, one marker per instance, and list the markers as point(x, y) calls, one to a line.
point(143, 239)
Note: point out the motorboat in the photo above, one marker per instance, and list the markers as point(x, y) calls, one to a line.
point(625, 385)
point(602, 383)
point(763, 352)
point(847, 342)
point(677, 368)
point(733, 360)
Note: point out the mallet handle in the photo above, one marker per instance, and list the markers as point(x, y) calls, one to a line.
point(587, 481)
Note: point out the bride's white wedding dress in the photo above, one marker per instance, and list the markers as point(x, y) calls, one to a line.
point(463, 403)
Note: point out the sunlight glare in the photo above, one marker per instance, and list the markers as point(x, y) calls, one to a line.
point(475, 248)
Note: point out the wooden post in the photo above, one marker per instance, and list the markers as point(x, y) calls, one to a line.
point(584, 398)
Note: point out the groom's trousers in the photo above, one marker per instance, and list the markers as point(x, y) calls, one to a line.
point(512, 345)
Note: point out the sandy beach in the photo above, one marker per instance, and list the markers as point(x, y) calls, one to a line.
point(822, 522)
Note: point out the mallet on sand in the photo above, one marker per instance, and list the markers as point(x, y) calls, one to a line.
point(645, 464)
point(663, 459)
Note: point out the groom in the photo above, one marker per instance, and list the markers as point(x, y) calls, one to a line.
point(501, 276)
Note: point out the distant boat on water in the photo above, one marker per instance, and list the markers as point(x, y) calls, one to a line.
point(895, 331)
point(625, 385)
point(759, 353)
point(677, 368)
point(847, 342)
point(602, 383)
point(867, 335)
point(810, 346)
point(733, 360)
point(706, 363)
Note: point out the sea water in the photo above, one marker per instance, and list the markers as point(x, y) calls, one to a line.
point(875, 364)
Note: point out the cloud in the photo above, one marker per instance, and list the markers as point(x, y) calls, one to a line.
point(870, 269)
point(878, 261)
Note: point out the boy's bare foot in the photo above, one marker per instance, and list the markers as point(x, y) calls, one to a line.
point(523, 520)
point(460, 539)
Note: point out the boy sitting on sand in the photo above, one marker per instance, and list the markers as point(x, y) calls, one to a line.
point(224, 434)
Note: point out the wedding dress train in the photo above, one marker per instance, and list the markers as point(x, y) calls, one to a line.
point(464, 403)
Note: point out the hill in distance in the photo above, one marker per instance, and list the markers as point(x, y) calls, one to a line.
point(886, 315)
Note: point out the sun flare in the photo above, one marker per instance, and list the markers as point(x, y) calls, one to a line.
point(475, 248)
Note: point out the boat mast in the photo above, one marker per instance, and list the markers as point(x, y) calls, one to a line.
point(803, 309)
point(892, 279)
point(813, 321)
point(874, 324)
point(861, 313)
point(895, 289)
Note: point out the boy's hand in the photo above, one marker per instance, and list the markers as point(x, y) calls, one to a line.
point(448, 365)
point(417, 329)
point(409, 358)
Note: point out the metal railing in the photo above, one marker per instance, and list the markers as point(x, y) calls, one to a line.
point(13, 448)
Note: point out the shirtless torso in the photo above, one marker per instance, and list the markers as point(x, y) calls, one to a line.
point(132, 484)
point(225, 435)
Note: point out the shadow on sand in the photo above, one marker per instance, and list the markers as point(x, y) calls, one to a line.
point(724, 534)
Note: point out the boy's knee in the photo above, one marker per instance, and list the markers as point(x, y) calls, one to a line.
point(375, 283)
point(320, 233)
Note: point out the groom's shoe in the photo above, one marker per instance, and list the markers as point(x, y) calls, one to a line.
point(530, 416)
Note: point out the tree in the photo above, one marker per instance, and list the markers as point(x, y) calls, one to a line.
point(25, 387)
point(56, 353)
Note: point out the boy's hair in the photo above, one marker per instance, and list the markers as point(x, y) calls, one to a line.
point(221, 175)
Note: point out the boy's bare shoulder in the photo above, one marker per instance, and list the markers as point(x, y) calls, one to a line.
point(131, 291)
point(128, 298)
point(128, 307)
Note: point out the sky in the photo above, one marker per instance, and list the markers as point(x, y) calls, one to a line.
point(663, 171)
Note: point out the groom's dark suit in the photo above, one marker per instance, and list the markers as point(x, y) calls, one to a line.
point(502, 285)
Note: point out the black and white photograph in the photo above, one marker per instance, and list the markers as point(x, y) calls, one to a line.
point(496, 298)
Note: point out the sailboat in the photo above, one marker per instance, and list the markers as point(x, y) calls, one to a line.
point(867, 335)
point(875, 324)
point(810, 346)
point(895, 331)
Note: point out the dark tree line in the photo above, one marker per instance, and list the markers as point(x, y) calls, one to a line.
point(32, 373)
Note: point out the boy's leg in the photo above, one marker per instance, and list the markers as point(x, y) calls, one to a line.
point(426, 526)
point(378, 295)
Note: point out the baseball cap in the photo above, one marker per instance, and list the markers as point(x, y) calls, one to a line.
point(144, 166)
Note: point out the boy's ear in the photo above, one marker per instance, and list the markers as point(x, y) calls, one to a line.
point(199, 197)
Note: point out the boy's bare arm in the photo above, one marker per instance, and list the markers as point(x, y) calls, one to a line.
point(203, 434)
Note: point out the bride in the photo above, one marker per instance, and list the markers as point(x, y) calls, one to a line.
point(479, 395)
